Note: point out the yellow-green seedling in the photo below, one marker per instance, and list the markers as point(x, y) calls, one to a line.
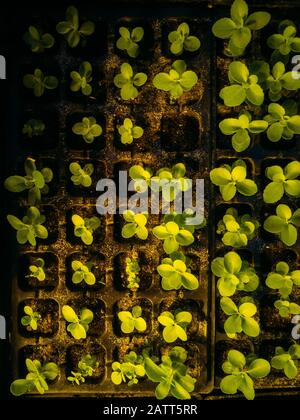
point(232, 179)
point(82, 273)
point(81, 176)
point(283, 279)
point(129, 132)
point(283, 182)
point(234, 274)
point(128, 82)
point(240, 318)
point(84, 228)
point(173, 236)
point(37, 270)
point(33, 128)
point(241, 372)
point(171, 182)
point(282, 124)
point(141, 177)
point(132, 270)
point(244, 87)
point(284, 224)
point(31, 318)
point(86, 368)
point(130, 371)
point(285, 41)
point(278, 80)
point(175, 325)
point(135, 225)
point(82, 78)
point(239, 27)
point(73, 31)
point(38, 41)
point(288, 361)
point(129, 40)
point(30, 227)
point(36, 379)
point(181, 40)
point(34, 181)
point(171, 375)
point(78, 325)
point(132, 321)
point(287, 308)
point(88, 129)
point(241, 129)
point(237, 230)
point(38, 82)
point(178, 81)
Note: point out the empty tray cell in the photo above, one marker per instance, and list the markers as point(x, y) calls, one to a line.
point(43, 273)
point(180, 133)
point(43, 319)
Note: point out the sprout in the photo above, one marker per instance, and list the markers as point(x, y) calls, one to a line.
point(135, 226)
point(129, 40)
point(37, 41)
point(175, 325)
point(287, 360)
point(38, 82)
point(176, 274)
point(283, 181)
point(81, 79)
point(130, 371)
point(86, 368)
point(129, 132)
point(287, 308)
point(81, 176)
point(88, 129)
point(82, 272)
point(37, 270)
point(84, 228)
point(78, 326)
point(281, 124)
point(278, 80)
point(131, 321)
point(132, 273)
point(31, 318)
point(33, 128)
point(173, 236)
point(285, 41)
point(284, 224)
point(141, 176)
point(181, 40)
point(128, 82)
point(240, 318)
point(283, 280)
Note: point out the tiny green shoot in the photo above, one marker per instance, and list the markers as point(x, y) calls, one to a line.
point(37, 41)
point(81, 176)
point(31, 318)
point(129, 132)
point(129, 40)
point(128, 82)
point(131, 321)
point(181, 40)
point(175, 325)
point(88, 129)
point(78, 326)
point(84, 228)
point(81, 79)
point(38, 82)
point(284, 224)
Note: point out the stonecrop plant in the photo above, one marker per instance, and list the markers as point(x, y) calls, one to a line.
point(36, 379)
point(85, 369)
point(178, 81)
point(81, 176)
point(128, 82)
point(31, 318)
point(232, 179)
point(34, 181)
point(175, 325)
point(285, 41)
point(283, 279)
point(130, 371)
point(33, 128)
point(237, 230)
point(234, 274)
point(239, 27)
point(78, 325)
point(38, 82)
point(135, 225)
point(74, 32)
point(283, 182)
point(81, 79)
point(132, 271)
point(38, 41)
point(282, 125)
point(181, 40)
point(88, 129)
point(129, 132)
point(129, 40)
point(286, 308)
point(37, 270)
point(284, 224)
point(288, 361)
point(132, 321)
point(30, 227)
point(241, 129)
point(82, 273)
point(241, 372)
point(84, 228)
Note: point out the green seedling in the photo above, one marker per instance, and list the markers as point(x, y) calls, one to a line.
point(234, 274)
point(287, 308)
point(176, 274)
point(178, 81)
point(242, 371)
point(88, 129)
point(141, 176)
point(181, 40)
point(37, 270)
point(31, 318)
point(78, 326)
point(283, 280)
point(283, 181)
point(237, 230)
point(33, 128)
point(284, 224)
point(171, 375)
point(130, 371)
point(233, 179)
point(82, 273)
point(30, 227)
point(84, 228)
point(129, 132)
point(131, 321)
point(129, 40)
point(38, 82)
point(281, 124)
point(240, 318)
point(238, 29)
point(86, 368)
point(72, 30)
point(288, 361)
point(37, 41)
point(173, 236)
point(36, 379)
point(175, 325)
point(82, 78)
point(284, 42)
point(135, 225)
point(128, 82)
point(81, 176)
point(244, 87)
point(132, 273)
point(241, 129)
